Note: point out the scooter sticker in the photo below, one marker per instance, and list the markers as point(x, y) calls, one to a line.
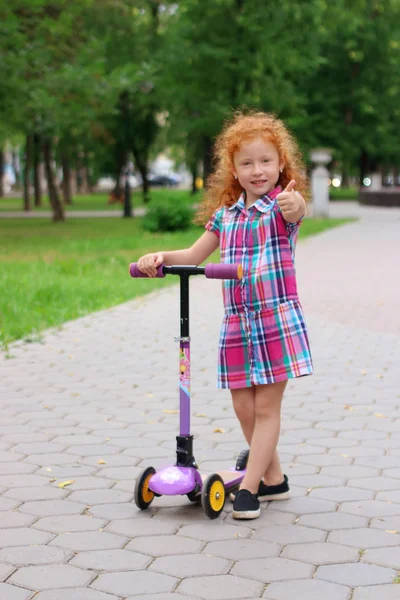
point(184, 363)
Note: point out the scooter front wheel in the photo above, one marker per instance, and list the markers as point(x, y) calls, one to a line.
point(213, 496)
point(143, 494)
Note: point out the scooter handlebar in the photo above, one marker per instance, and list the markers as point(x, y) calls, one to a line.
point(223, 271)
point(211, 271)
point(134, 271)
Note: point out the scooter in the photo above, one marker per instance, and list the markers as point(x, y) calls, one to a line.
point(184, 477)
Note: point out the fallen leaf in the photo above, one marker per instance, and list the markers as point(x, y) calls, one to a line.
point(219, 430)
point(48, 469)
point(363, 372)
point(108, 439)
point(200, 415)
point(380, 416)
point(170, 411)
point(348, 407)
point(379, 376)
point(51, 480)
point(149, 395)
point(345, 455)
point(101, 462)
point(64, 484)
point(391, 531)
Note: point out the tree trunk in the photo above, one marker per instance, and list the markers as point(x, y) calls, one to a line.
point(27, 171)
point(207, 158)
point(17, 168)
point(143, 170)
point(194, 173)
point(2, 161)
point(56, 204)
point(66, 182)
point(36, 169)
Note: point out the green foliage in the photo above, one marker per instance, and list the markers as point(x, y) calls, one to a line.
point(168, 215)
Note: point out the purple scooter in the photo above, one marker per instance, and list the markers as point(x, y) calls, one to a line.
point(184, 477)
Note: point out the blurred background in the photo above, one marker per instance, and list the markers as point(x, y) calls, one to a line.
point(93, 91)
point(112, 107)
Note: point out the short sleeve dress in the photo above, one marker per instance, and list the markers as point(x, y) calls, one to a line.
point(263, 335)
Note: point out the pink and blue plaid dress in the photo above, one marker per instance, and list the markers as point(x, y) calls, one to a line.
point(263, 334)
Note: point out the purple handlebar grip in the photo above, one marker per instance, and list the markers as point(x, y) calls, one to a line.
point(134, 271)
point(224, 271)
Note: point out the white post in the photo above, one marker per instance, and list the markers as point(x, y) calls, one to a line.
point(319, 182)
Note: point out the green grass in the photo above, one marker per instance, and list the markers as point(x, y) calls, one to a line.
point(350, 193)
point(99, 201)
point(51, 273)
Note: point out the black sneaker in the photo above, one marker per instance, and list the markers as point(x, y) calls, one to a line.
point(270, 492)
point(246, 505)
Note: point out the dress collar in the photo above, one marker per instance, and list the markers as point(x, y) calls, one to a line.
point(261, 204)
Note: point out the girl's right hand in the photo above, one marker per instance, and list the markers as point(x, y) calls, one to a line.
point(149, 262)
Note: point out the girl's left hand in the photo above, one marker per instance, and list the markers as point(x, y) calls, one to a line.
point(291, 203)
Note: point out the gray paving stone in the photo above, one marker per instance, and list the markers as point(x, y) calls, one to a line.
point(303, 589)
point(52, 507)
point(111, 560)
point(238, 549)
point(301, 506)
point(387, 523)
point(5, 571)
point(385, 557)
point(89, 540)
point(364, 538)
point(356, 574)
point(214, 530)
point(289, 534)
point(12, 592)
point(117, 510)
point(332, 521)
point(22, 536)
point(22, 556)
point(272, 569)
point(69, 524)
point(12, 518)
point(165, 545)
point(220, 587)
point(191, 565)
point(341, 494)
point(375, 483)
point(122, 584)
point(321, 553)
point(36, 493)
point(95, 497)
point(74, 594)
point(7, 504)
point(370, 508)
point(377, 592)
point(140, 527)
point(22, 481)
point(51, 576)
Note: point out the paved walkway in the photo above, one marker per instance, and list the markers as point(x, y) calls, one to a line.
point(83, 412)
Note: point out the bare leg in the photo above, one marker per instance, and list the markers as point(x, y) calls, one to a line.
point(267, 403)
point(243, 400)
point(274, 474)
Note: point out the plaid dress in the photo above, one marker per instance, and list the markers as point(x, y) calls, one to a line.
point(263, 334)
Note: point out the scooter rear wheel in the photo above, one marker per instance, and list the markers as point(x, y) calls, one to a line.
point(213, 496)
point(143, 494)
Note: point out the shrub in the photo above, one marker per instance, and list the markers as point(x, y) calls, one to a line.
point(168, 216)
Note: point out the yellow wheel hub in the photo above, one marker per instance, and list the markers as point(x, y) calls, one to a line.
point(147, 494)
point(217, 496)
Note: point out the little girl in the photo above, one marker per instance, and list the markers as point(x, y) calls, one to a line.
point(253, 216)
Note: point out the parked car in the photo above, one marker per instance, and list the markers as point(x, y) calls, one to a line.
point(165, 180)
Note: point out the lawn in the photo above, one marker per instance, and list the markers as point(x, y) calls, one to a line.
point(51, 273)
point(100, 201)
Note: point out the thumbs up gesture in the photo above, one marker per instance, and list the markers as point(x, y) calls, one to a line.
point(291, 203)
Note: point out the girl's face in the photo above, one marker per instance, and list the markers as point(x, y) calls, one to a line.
point(257, 167)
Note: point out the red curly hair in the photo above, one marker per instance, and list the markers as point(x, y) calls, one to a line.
point(222, 187)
